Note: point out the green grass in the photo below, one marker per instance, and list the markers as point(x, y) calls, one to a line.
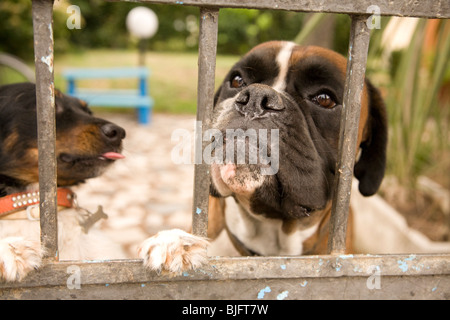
point(173, 80)
point(8, 75)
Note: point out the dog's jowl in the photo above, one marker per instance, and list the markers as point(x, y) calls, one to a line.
point(85, 147)
point(297, 91)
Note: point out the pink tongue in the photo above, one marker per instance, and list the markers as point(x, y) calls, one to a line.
point(113, 155)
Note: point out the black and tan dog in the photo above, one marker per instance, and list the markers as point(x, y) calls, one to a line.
point(85, 147)
point(299, 92)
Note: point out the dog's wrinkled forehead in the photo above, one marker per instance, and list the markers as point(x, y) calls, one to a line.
point(264, 62)
point(283, 59)
point(271, 62)
point(259, 63)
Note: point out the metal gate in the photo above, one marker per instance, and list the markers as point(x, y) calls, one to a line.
point(332, 276)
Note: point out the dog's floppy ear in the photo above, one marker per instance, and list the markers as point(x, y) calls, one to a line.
point(369, 169)
point(217, 94)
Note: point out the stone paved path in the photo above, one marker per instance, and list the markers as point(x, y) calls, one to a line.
point(147, 191)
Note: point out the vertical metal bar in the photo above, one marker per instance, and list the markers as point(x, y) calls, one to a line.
point(45, 100)
point(209, 19)
point(354, 83)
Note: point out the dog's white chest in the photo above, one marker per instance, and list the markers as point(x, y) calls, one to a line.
point(262, 235)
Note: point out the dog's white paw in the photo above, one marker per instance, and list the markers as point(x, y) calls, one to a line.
point(173, 251)
point(18, 257)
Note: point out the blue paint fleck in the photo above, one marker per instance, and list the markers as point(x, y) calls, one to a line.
point(304, 283)
point(142, 285)
point(283, 266)
point(338, 265)
point(357, 269)
point(403, 264)
point(418, 267)
point(282, 295)
point(107, 285)
point(185, 274)
point(434, 289)
point(205, 272)
point(198, 211)
point(263, 292)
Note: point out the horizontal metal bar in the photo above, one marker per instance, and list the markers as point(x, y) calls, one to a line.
point(349, 288)
point(406, 8)
point(331, 276)
point(239, 268)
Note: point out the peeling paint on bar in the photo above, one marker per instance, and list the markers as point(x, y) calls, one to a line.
point(283, 295)
point(206, 76)
point(49, 62)
point(262, 292)
point(42, 11)
point(403, 264)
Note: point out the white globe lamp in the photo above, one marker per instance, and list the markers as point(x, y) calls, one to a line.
point(142, 23)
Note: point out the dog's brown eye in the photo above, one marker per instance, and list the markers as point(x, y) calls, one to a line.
point(324, 100)
point(237, 82)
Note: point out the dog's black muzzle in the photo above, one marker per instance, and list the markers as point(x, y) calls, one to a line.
point(256, 100)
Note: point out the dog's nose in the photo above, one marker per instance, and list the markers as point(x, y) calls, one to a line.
point(257, 99)
point(113, 132)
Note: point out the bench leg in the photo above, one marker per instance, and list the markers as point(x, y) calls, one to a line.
point(71, 87)
point(144, 115)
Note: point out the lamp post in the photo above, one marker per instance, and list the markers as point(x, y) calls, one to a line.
point(142, 23)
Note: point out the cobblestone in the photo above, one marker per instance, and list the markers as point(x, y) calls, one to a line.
point(145, 192)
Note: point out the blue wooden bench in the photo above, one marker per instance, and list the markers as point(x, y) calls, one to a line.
point(138, 98)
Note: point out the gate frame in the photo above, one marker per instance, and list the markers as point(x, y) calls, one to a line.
point(333, 276)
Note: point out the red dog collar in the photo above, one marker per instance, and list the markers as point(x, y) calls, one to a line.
point(22, 200)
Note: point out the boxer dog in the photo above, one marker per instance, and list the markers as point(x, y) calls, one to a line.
point(297, 91)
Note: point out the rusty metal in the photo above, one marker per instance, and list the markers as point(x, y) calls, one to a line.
point(314, 277)
point(206, 75)
point(354, 82)
point(421, 9)
point(45, 100)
